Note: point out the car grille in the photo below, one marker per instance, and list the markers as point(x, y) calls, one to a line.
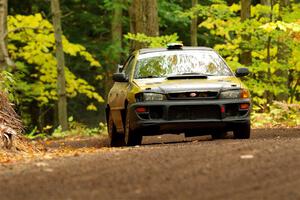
point(193, 95)
point(194, 112)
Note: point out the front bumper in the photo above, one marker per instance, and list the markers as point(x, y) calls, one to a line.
point(179, 116)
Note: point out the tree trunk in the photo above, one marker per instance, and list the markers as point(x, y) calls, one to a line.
point(268, 95)
point(284, 4)
point(61, 81)
point(245, 57)
point(144, 19)
point(265, 2)
point(283, 50)
point(3, 32)
point(283, 53)
point(116, 40)
point(116, 28)
point(194, 26)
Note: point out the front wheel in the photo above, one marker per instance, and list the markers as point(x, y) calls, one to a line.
point(242, 131)
point(132, 138)
point(115, 139)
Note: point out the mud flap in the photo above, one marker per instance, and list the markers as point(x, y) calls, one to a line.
point(117, 118)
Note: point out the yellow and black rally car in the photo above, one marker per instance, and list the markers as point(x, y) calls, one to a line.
point(177, 90)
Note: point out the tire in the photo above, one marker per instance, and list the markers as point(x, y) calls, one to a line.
point(189, 134)
point(242, 131)
point(132, 138)
point(115, 139)
point(219, 135)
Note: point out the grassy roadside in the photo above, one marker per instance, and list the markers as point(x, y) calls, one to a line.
point(277, 115)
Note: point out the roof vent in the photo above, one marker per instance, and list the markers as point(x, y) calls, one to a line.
point(172, 46)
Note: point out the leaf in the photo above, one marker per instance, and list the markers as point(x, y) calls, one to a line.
point(36, 49)
point(92, 107)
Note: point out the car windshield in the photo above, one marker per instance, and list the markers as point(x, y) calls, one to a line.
point(177, 63)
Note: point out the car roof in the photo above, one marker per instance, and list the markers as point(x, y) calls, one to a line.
point(152, 50)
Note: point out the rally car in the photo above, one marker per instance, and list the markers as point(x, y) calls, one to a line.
point(177, 90)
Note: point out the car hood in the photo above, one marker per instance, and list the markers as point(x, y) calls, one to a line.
point(211, 83)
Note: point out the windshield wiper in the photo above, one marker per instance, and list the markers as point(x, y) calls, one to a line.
point(150, 76)
point(195, 73)
point(189, 76)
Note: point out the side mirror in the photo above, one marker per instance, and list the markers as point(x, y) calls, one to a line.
point(120, 77)
point(242, 71)
point(120, 67)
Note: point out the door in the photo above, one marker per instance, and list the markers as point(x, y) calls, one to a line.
point(118, 95)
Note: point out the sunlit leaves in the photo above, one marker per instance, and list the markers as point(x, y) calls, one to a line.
point(32, 44)
point(266, 28)
point(280, 25)
point(280, 114)
point(160, 41)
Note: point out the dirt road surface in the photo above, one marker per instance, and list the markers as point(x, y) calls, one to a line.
point(265, 167)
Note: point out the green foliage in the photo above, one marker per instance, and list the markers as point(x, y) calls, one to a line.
point(160, 41)
point(34, 134)
point(88, 22)
point(170, 13)
point(32, 44)
point(279, 114)
point(280, 25)
point(75, 129)
point(170, 19)
point(79, 129)
point(275, 74)
point(8, 84)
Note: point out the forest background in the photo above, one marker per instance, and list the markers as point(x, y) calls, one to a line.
point(263, 35)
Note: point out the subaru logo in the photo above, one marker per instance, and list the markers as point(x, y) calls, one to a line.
point(193, 94)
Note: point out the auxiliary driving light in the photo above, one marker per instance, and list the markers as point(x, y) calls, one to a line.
point(244, 106)
point(141, 109)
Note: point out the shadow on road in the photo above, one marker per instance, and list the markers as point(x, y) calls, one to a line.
point(172, 139)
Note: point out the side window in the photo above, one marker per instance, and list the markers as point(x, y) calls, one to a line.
point(128, 66)
point(125, 64)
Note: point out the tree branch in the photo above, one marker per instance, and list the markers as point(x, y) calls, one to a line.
point(68, 14)
point(19, 29)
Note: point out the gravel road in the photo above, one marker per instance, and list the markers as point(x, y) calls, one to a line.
point(267, 166)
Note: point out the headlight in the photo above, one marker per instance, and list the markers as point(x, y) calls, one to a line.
point(150, 97)
point(153, 97)
point(235, 94)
